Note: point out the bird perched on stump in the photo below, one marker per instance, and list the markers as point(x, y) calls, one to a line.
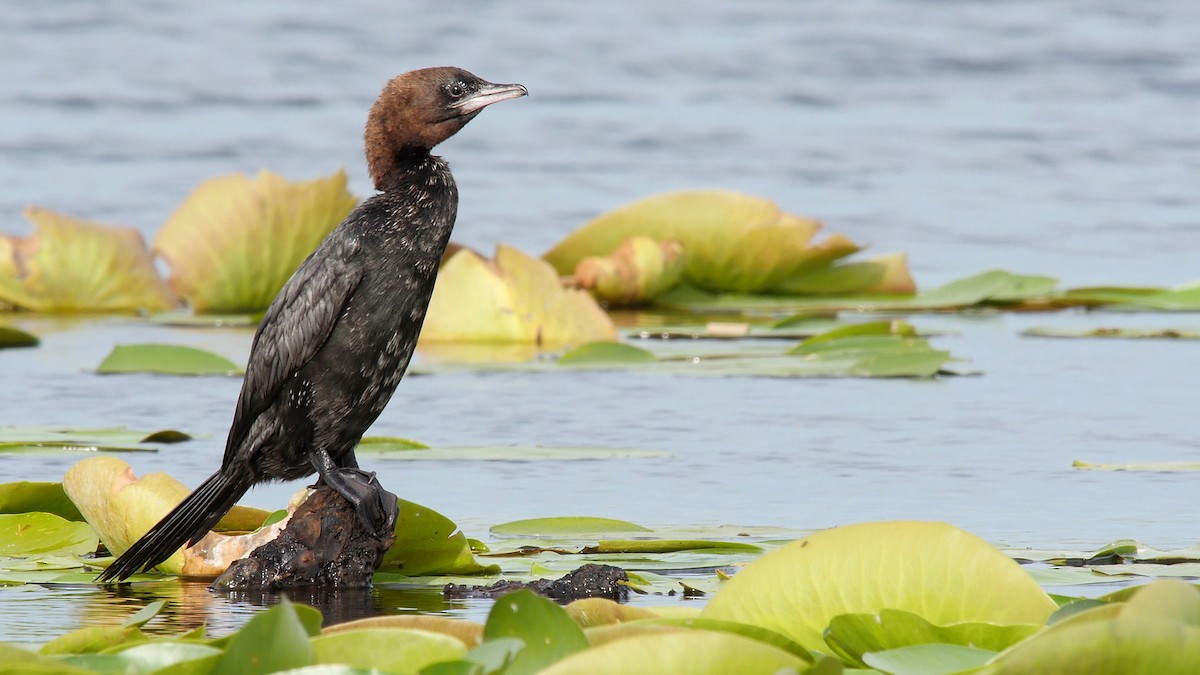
point(335, 342)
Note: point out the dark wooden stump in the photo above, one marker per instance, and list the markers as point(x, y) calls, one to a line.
point(324, 544)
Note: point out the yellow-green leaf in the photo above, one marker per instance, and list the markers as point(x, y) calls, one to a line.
point(513, 298)
point(696, 652)
point(236, 240)
point(933, 570)
point(636, 272)
point(75, 265)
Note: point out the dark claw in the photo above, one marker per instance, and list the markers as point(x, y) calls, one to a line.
point(376, 507)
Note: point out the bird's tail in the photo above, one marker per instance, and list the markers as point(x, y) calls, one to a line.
point(185, 524)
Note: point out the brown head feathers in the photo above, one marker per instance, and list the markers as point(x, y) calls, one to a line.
point(421, 108)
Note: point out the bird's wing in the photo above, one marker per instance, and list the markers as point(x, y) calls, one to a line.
point(294, 328)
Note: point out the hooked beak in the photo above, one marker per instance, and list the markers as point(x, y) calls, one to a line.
point(488, 94)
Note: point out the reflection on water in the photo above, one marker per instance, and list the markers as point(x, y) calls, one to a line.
point(35, 612)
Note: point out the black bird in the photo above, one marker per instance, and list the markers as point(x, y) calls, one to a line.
point(335, 342)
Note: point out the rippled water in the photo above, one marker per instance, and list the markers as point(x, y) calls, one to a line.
point(1045, 137)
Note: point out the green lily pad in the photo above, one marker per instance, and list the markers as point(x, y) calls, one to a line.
point(606, 352)
point(392, 650)
point(166, 359)
point(566, 526)
point(934, 570)
point(152, 657)
point(548, 632)
point(145, 614)
point(992, 288)
point(272, 640)
point(23, 661)
point(1182, 299)
point(93, 639)
point(667, 546)
point(929, 659)
point(696, 652)
point(27, 497)
point(27, 534)
point(850, 636)
point(115, 439)
point(12, 337)
point(429, 543)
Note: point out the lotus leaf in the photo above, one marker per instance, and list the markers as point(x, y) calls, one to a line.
point(392, 650)
point(934, 570)
point(882, 274)
point(733, 242)
point(1156, 631)
point(548, 632)
point(1181, 299)
point(166, 359)
point(235, 240)
point(567, 526)
point(591, 612)
point(74, 265)
point(26, 496)
point(606, 352)
point(852, 635)
point(929, 659)
point(636, 272)
point(697, 652)
point(469, 633)
point(28, 534)
point(429, 543)
point(513, 298)
point(272, 640)
point(92, 639)
point(12, 337)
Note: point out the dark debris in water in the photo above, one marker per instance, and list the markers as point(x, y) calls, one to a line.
point(589, 581)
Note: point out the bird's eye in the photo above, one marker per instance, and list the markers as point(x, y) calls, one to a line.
point(455, 90)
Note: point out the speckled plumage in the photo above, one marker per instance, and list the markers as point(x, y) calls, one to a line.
point(336, 341)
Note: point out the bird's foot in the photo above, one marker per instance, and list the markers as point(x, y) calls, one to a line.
point(377, 508)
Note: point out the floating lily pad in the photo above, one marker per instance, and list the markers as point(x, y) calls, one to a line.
point(429, 543)
point(697, 652)
point(851, 636)
point(606, 352)
point(511, 299)
point(75, 265)
point(26, 534)
point(1182, 299)
point(272, 640)
point(393, 650)
point(548, 632)
point(235, 240)
point(1114, 333)
point(12, 337)
point(28, 497)
point(112, 439)
point(469, 633)
point(569, 526)
point(929, 659)
point(167, 360)
point(933, 570)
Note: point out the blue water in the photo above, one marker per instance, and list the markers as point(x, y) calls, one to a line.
point(1053, 137)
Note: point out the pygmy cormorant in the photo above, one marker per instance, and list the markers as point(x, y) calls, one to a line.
point(335, 342)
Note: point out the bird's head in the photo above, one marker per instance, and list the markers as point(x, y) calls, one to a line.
point(421, 108)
